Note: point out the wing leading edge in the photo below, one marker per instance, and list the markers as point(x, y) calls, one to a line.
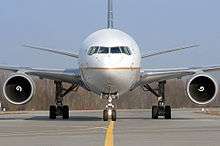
point(52, 51)
point(157, 75)
point(169, 51)
point(65, 75)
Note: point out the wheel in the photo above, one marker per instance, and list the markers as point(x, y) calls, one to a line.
point(167, 113)
point(65, 112)
point(154, 112)
point(52, 112)
point(114, 115)
point(105, 115)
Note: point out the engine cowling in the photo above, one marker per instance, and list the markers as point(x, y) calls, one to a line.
point(202, 89)
point(18, 89)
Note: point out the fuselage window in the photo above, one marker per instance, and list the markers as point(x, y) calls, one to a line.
point(103, 50)
point(115, 50)
point(93, 50)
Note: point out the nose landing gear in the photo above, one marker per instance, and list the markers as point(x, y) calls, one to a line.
point(109, 112)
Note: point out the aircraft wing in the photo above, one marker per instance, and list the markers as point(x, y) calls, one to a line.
point(53, 51)
point(156, 75)
point(168, 51)
point(65, 75)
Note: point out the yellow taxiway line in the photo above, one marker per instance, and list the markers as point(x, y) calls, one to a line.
point(109, 137)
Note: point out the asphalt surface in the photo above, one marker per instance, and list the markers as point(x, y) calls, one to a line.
point(189, 127)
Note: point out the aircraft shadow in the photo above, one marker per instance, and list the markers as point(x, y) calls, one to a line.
point(94, 118)
point(149, 118)
point(2, 119)
point(72, 118)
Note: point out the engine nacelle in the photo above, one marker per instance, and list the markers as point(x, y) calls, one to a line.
point(202, 89)
point(19, 88)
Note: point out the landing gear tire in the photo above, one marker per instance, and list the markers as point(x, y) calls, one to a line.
point(155, 112)
point(105, 115)
point(59, 109)
point(65, 112)
point(53, 110)
point(167, 112)
point(114, 116)
point(161, 109)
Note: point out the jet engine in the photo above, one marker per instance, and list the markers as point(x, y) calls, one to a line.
point(202, 89)
point(19, 88)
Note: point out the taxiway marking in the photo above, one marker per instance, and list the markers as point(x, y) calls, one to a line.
point(109, 137)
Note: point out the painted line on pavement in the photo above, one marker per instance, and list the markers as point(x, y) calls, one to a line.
point(109, 137)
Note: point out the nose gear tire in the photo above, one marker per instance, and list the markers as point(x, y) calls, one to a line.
point(114, 116)
point(105, 115)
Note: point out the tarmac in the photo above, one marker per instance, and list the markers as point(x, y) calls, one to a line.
point(189, 127)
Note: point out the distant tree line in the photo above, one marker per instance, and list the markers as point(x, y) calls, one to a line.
point(84, 100)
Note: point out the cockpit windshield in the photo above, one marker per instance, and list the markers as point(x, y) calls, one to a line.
point(93, 50)
point(103, 50)
point(111, 50)
point(125, 50)
point(115, 50)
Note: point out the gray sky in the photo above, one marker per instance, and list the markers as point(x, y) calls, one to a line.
point(154, 24)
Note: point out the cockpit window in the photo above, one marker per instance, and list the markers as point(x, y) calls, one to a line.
point(93, 50)
point(125, 50)
point(115, 50)
point(103, 50)
point(107, 50)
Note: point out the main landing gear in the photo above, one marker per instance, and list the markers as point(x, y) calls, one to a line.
point(109, 112)
point(59, 109)
point(161, 109)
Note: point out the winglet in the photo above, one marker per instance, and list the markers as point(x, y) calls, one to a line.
point(52, 51)
point(169, 51)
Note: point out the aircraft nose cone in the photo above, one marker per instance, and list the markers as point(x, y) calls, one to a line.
point(110, 61)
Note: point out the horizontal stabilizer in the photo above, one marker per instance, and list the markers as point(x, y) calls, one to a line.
point(168, 51)
point(53, 51)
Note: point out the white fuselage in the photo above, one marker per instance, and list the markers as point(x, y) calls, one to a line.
point(110, 73)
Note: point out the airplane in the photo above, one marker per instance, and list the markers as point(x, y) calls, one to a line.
point(110, 65)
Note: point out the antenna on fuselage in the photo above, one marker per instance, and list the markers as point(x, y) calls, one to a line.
point(110, 14)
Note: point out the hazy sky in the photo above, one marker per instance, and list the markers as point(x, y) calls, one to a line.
point(154, 24)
